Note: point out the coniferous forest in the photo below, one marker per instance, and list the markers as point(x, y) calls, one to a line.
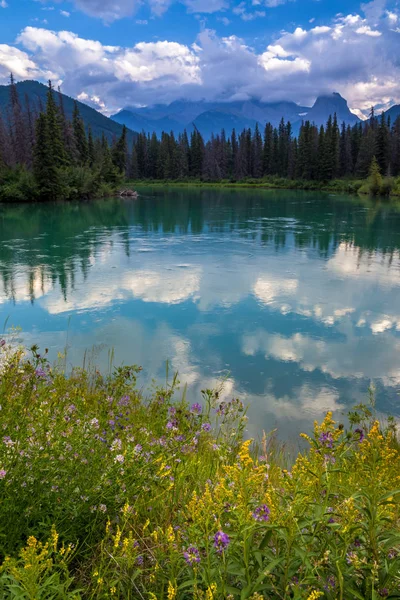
point(371, 148)
point(46, 156)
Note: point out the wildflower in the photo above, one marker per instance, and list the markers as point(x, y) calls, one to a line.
point(94, 423)
point(41, 373)
point(330, 583)
point(3, 473)
point(206, 427)
point(113, 591)
point(326, 439)
point(8, 441)
point(124, 401)
point(360, 433)
point(383, 592)
point(191, 556)
point(139, 560)
point(261, 513)
point(171, 591)
point(119, 458)
point(102, 508)
point(221, 541)
point(211, 591)
point(116, 445)
point(196, 409)
point(138, 448)
point(315, 595)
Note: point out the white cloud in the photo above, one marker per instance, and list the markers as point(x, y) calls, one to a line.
point(366, 30)
point(354, 54)
point(3, 4)
point(65, 13)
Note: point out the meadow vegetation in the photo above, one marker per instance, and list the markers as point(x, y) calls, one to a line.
point(108, 493)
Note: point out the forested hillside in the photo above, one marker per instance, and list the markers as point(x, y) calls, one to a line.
point(33, 99)
point(45, 155)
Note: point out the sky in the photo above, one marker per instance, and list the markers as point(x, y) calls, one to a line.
point(117, 53)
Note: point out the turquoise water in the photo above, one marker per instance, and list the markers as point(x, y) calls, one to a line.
point(293, 298)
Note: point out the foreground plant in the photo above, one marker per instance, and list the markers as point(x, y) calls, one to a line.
point(164, 500)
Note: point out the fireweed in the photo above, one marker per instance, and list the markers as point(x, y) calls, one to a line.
point(107, 494)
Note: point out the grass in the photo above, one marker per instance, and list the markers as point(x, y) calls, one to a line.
point(108, 493)
point(349, 186)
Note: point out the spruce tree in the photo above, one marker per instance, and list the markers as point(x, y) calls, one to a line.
point(82, 152)
point(120, 151)
point(383, 145)
point(55, 139)
point(47, 173)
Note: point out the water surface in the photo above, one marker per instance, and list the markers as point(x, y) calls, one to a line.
point(293, 297)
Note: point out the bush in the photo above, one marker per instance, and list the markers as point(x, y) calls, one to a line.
point(17, 185)
point(165, 500)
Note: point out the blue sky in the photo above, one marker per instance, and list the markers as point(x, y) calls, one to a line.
point(113, 53)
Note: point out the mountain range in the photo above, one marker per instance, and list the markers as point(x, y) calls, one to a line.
point(37, 92)
point(211, 117)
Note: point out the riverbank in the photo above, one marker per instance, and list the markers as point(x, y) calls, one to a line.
point(349, 186)
point(121, 495)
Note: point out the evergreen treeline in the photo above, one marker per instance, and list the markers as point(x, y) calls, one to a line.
point(45, 156)
point(322, 154)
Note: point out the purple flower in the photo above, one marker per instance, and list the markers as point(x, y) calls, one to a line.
point(326, 439)
point(206, 427)
point(139, 560)
point(361, 434)
point(138, 448)
point(2, 343)
point(261, 513)
point(383, 592)
point(330, 583)
point(192, 556)
point(40, 372)
point(3, 473)
point(124, 401)
point(221, 541)
point(196, 409)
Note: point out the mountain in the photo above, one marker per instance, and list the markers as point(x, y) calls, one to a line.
point(37, 92)
point(211, 117)
point(329, 105)
point(393, 113)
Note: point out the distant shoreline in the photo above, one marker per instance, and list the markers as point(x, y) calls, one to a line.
point(348, 186)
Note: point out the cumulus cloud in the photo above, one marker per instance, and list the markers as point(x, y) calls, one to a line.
point(354, 54)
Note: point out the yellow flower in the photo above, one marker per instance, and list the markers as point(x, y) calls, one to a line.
point(113, 591)
point(117, 537)
point(211, 591)
point(171, 591)
point(170, 534)
point(315, 595)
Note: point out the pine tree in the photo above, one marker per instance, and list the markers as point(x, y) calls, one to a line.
point(47, 173)
point(82, 152)
point(55, 139)
point(383, 145)
point(120, 151)
point(17, 125)
point(91, 149)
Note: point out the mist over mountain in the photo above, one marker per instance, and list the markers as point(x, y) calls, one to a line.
point(211, 117)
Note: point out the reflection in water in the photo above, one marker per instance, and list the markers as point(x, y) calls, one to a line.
point(295, 295)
